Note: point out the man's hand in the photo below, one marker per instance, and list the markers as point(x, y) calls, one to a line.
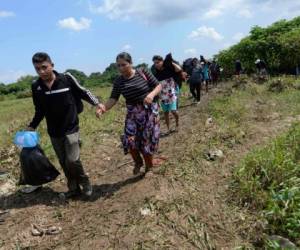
point(149, 99)
point(100, 109)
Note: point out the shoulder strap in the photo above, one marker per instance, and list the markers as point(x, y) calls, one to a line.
point(140, 71)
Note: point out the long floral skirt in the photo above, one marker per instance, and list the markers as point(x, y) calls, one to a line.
point(142, 128)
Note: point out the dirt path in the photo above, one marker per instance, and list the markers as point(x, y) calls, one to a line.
point(160, 212)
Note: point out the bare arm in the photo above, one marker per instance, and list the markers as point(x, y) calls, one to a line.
point(176, 67)
point(156, 91)
point(102, 108)
point(149, 98)
point(110, 103)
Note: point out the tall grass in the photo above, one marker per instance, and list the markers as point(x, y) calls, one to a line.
point(269, 180)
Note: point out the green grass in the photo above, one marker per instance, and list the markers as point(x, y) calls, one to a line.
point(17, 113)
point(269, 180)
point(233, 109)
point(14, 115)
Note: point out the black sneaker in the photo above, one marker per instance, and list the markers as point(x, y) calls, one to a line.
point(70, 194)
point(87, 189)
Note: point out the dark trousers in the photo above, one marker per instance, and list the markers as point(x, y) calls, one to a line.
point(195, 89)
point(68, 152)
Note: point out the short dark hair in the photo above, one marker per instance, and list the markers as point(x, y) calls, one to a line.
point(157, 58)
point(195, 61)
point(125, 56)
point(41, 57)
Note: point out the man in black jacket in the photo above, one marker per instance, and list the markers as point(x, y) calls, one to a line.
point(57, 97)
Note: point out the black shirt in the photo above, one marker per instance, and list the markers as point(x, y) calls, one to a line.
point(238, 66)
point(164, 74)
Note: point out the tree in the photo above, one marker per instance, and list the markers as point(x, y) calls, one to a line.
point(110, 73)
point(95, 75)
point(278, 45)
point(142, 65)
point(94, 79)
point(290, 50)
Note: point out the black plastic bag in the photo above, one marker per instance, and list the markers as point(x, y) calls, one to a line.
point(36, 167)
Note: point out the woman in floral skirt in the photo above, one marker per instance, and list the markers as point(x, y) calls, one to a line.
point(142, 129)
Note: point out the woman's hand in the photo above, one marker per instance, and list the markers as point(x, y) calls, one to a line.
point(100, 109)
point(184, 75)
point(149, 99)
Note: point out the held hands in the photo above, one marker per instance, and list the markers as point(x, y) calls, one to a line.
point(100, 109)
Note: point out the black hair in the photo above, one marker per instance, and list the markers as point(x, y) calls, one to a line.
point(125, 56)
point(194, 61)
point(157, 58)
point(41, 57)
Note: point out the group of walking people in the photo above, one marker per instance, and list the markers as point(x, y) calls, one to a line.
point(201, 72)
point(57, 98)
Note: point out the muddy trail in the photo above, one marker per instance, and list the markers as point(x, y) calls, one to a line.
point(186, 204)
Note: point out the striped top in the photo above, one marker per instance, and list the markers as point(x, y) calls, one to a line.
point(136, 88)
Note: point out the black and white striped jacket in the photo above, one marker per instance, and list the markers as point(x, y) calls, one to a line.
point(59, 105)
